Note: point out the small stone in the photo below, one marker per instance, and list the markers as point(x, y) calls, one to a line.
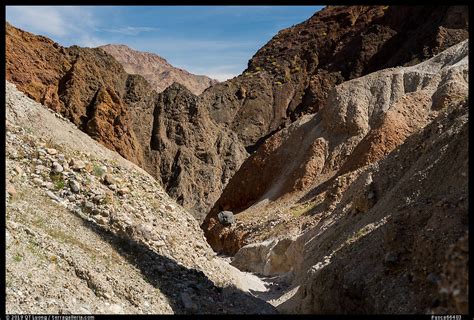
point(57, 168)
point(41, 152)
point(38, 181)
point(433, 278)
point(51, 151)
point(98, 198)
point(113, 187)
point(53, 196)
point(226, 218)
point(39, 168)
point(7, 238)
point(18, 170)
point(115, 308)
point(96, 191)
point(123, 191)
point(11, 190)
point(61, 158)
point(89, 205)
point(77, 164)
point(75, 187)
point(169, 207)
point(101, 219)
point(47, 185)
point(103, 170)
point(371, 195)
point(108, 179)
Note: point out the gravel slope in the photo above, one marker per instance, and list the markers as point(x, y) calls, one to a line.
point(90, 232)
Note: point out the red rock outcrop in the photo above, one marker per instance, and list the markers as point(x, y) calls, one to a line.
point(170, 134)
point(85, 85)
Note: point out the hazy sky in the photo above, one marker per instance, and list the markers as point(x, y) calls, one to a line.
point(216, 41)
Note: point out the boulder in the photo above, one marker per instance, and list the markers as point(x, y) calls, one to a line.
point(226, 218)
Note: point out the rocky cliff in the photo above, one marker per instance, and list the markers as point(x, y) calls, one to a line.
point(156, 70)
point(362, 122)
point(168, 134)
point(377, 181)
point(292, 74)
point(85, 85)
point(193, 156)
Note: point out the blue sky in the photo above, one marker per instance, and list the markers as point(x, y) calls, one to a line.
point(216, 41)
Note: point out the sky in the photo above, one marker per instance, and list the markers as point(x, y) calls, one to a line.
point(216, 41)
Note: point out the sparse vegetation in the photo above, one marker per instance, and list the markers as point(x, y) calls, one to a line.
point(17, 257)
point(98, 171)
point(50, 144)
point(34, 248)
point(303, 209)
point(58, 181)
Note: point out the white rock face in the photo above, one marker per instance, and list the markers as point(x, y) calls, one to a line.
point(266, 258)
point(395, 161)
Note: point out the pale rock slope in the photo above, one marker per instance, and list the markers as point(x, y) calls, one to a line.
point(90, 232)
point(355, 207)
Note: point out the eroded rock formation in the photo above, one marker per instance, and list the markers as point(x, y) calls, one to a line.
point(363, 120)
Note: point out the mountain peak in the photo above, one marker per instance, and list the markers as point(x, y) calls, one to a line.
point(156, 70)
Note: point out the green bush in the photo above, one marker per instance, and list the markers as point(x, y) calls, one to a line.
point(98, 171)
point(58, 180)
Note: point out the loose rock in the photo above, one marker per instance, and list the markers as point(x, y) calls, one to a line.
point(77, 164)
point(57, 168)
point(11, 190)
point(124, 191)
point(226, 218)
point(109, 180)
point(75, 187)
point(53, 196)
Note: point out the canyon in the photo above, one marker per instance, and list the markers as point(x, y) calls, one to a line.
point(341, 153)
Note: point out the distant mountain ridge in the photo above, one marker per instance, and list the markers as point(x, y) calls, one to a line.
point(156, 70)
